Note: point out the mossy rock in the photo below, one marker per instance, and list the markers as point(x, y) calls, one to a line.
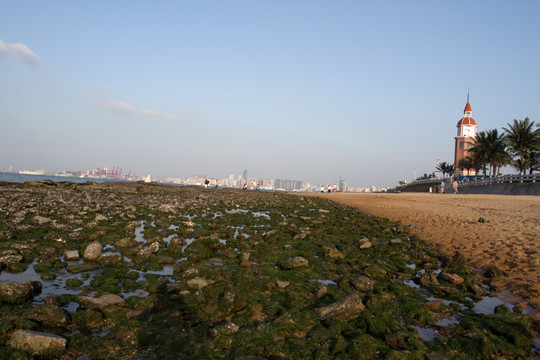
point(87, 318)
point(74, 282)
point(16, 267)
point(43, 267)
point(79, 268)
point(48, 276)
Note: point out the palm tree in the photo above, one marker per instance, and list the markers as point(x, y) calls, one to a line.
point(479, 151)
point(490, 149)
point(469, 163)
point(521, 139)
point(445, 168)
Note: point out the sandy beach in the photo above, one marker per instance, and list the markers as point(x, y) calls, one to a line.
point(489, 230)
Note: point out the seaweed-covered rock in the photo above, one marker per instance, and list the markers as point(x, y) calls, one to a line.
point(197, 283)
point(428, 278)
point(146, 251)
point(345, 309)
point(102, 301)
point(38, 343)
point(93, 251)
point(48, 315)
point(10, 257)
point(363, 283)
point(12, 292)
point(294, 262)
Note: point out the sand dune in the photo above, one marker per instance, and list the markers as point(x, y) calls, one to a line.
point(488, 230)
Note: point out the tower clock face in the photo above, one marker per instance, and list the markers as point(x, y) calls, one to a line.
point(468, 131)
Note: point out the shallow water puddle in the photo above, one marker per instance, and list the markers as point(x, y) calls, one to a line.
point(427, 334)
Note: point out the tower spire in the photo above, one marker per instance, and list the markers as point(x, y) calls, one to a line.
point(467, 95)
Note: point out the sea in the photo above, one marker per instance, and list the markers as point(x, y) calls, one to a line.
point(22, 178)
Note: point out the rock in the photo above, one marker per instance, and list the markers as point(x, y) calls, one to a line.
point(197, 283)
point(71, 255)
point(363, 284)
point(345, 309)
point(192, 271)
point(453, 278)
point(494, 272)
point(365, 243)
point(428, 278)
point(12, 292)
point(282, 284)
point(40, 344)
point(396, 241)
point(146, 251)
point(321, 292)
point(334, 254)
point(10, 257)
point(294, 262)
point(100, 217)
point(245, 260)
point(41, 220)
point(93, 251)
point(112, 258)
point(231, 327)
point(101, 302)
point(434, 304)
point(476, 290)
point(48, 315)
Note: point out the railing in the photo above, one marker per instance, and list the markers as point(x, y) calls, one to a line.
point(505, 179)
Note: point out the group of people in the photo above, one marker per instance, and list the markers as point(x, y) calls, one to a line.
point(455, 186)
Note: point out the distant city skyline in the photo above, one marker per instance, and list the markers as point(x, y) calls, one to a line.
point(369, 92)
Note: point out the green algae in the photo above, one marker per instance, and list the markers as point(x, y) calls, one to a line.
point(245, 304)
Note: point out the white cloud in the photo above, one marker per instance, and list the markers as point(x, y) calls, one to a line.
point(21, 51)
point(125, 109)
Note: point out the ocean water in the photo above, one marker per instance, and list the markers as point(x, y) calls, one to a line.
point(21, 178)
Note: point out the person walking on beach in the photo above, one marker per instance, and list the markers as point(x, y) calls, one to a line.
point(455, 186)
point(442, 187)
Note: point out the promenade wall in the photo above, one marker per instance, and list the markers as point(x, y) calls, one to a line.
point(502, 189)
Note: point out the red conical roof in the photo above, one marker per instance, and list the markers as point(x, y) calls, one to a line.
point(466, 121)
point(467, 107)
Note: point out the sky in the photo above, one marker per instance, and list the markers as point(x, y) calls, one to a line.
point(366, 91)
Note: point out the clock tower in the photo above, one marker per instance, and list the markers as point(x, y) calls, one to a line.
point(466, 132)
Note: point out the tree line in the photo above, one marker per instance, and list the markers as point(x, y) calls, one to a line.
point(518, 145)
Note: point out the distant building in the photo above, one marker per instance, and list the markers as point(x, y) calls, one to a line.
point(466, 132)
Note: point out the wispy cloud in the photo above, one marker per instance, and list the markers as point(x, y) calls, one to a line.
point(21, 51)
point(125, 109)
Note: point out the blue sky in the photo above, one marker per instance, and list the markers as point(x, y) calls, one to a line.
point(309, 90)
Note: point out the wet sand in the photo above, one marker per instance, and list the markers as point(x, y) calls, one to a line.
point(489, 230)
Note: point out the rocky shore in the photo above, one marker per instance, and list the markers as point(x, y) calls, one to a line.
point(144, 271)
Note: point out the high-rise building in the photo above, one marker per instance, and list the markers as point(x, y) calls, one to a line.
point(466, 132)
point(245, 175)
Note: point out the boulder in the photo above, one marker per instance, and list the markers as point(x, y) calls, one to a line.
point(365, 243)
point(48, 315)
point(40, 344)
point(294, 262)
point(93, 251)
point(12, 292)
point(363, 284)
point(345, 309)
point(101, 302)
